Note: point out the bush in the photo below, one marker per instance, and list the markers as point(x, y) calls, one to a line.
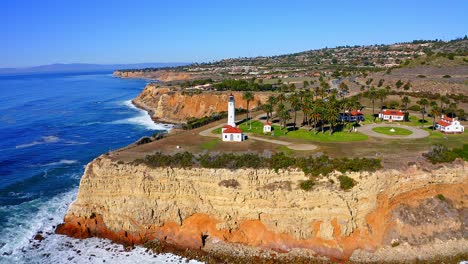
point(346, 182)
point(231, 183)
point(440, 197)
point(440, 154)
point(307, 185)
point(446, 76)
point(416, 108)
point(421, 76)
point(311, 166)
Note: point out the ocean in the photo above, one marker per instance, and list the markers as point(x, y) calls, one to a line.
point(51, 126)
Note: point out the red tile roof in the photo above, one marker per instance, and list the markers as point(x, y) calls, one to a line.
point(443, 123)
point(267, 124)
point(233, 130)
point(393, 112)
point(227, 126)
point(355, 113)
point(448, 119)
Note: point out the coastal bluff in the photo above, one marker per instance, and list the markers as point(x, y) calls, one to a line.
point(167, 105)
point(389, 215)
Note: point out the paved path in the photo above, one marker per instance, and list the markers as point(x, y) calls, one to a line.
point(207, 133)
point(417, 132)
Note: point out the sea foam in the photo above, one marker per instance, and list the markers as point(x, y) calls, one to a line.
point(142, 119)
point(17, 244)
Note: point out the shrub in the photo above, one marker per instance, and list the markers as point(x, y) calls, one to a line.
point(421, 76)
point(440, 197)
point(307, 185)
point(416, 108)
point(346, 182)
point(143, 140)
point(446, 76)
point(440, 154)
point(231, 183)
point(311, 166)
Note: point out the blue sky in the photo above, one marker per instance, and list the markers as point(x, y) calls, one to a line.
point(46, 31)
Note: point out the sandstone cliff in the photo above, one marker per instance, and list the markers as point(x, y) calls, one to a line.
point(166, 105)
point(202, 208)
point(161, 75)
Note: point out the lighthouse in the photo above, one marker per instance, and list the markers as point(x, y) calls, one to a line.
point(231, 111)
point(230, 132)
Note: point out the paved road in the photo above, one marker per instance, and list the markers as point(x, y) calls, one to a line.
point(417, 132)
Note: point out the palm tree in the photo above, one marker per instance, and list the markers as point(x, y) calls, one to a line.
point(283, 114)
point(372, 95)
point(268, 108)
point(331, 113)
point(281, 98)
point(435, 111)
point(405, 101)
point(248, 96)
point(423, 103)
point(444, 101)
point(382, 95)
point(296, 104)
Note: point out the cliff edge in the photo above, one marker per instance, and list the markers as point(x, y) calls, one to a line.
point(167, 105)
point(389, 215)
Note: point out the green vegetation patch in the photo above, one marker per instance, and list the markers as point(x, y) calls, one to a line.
point(257, 128)
point(209, 144)
point(346, 182)
point(440, 154)
point(311, 166)
point(216, 130)
point(307, 185)
point(326, 137)
point(392, 131)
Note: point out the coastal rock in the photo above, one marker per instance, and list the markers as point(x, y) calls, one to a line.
point(133, 204)
point(167, 105)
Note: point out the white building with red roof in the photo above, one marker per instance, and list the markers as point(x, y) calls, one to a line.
point(230, 132)
point(392, 115)
point(449, 125)
point(267, 127)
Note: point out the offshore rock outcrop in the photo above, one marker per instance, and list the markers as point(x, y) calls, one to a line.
point(167, 105)
point(201, 208)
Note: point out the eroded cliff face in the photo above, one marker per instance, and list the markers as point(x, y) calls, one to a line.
point(202, 208)
point(176, 107)
point(161, 75)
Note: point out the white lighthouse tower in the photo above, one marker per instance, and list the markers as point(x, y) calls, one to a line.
point(230, 132)
point(231, 111)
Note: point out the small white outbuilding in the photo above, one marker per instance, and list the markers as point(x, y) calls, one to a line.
point(267, 128)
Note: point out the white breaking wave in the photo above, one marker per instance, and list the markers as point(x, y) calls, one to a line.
point(61, 162)
point(17, 244)
point(142, 119)
point(45, 140)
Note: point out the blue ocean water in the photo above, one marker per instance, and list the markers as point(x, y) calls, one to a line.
point(51, 126)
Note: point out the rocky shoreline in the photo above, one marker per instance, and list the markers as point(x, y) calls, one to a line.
point(389, 216)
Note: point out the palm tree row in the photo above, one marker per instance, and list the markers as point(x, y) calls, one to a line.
point(317, 111)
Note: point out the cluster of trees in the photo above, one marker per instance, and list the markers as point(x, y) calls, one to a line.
point(320, 106)
point(312, 166)
point(243, 85)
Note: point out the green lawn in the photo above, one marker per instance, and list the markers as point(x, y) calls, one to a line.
point(216, 131)
point(257, 128)
point(210, 144)
point(397, 131)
